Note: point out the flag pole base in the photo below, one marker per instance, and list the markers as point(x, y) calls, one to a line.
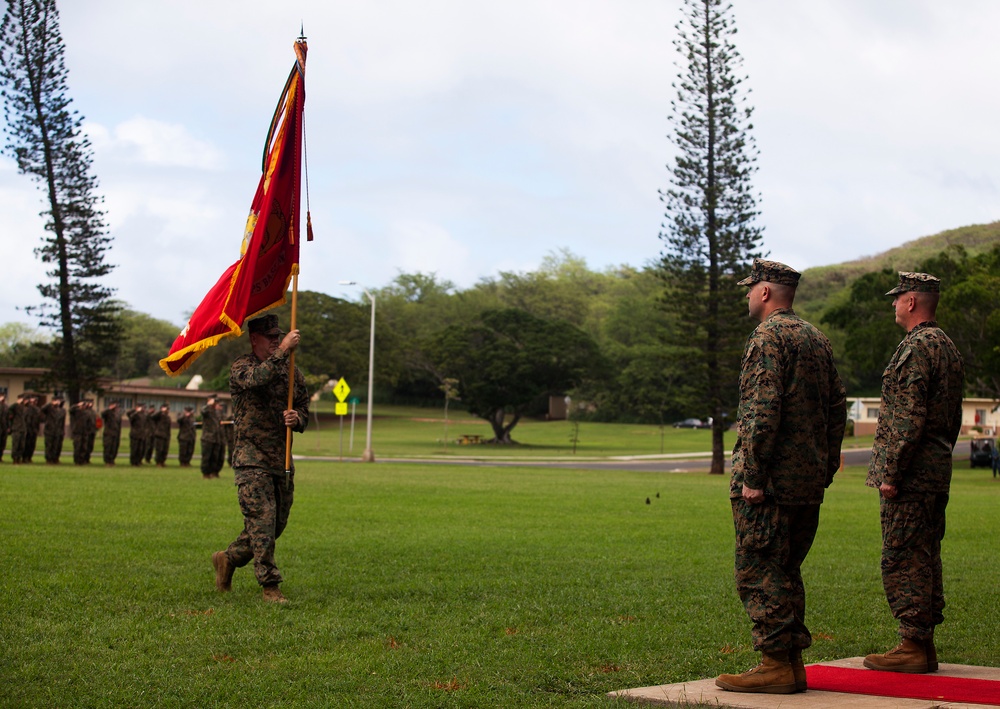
point(368, 456)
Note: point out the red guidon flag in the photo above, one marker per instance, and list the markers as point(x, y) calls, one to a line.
point(269, 256)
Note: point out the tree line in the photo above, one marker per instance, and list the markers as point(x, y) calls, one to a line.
point(607, 339)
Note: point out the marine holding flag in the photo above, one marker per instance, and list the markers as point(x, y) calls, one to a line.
point(257, 282)
point(259, 384)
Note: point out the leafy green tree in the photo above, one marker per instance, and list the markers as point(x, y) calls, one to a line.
point(44, 137)
point(563, 288)
point(969, 311)
point(871, 333)
point(144, 339)
point(510, 361)
point(647, 381)
point(15, 339)
point(411, 311)
point(710, 234)
point(334, 336)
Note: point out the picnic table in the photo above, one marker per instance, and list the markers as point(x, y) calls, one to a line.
point(470, 438)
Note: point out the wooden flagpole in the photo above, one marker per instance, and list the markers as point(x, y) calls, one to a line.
point(301, 42)
point(291, 380)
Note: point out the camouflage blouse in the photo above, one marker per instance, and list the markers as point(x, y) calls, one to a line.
point(792, 412)
point(260, 396)
point(111, 421)
point(920, 416)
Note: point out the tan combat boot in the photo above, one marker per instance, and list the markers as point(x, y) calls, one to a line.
point(932, 661)
point(773, 675)
point(273, 594)
point(223, 571)
point(798, 669)
point(909, 656)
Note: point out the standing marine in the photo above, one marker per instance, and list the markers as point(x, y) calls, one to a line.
point(138, 422)
point(212, 444)
point(17, 427)
point(185, 436)
point(54, 420)
point(4, 424)
point(111, 432)
point(32, 422)
point(790, 426)
point(919, 420)
point(78, 431)
point(160, 421)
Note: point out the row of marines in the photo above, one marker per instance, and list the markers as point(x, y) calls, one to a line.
point(149, 432)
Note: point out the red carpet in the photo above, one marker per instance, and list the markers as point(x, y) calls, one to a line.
point(894, 684)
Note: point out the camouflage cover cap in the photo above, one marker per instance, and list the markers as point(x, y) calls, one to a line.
point(265, 325)
point(919, 282)
point(772, 272)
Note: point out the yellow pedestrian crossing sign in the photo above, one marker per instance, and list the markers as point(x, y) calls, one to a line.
point(341, 390)
point(340, 408)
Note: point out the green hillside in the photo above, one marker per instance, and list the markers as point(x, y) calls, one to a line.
point(822, 284)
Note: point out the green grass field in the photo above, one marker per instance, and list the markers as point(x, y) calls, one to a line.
point(429, 586)
point(417, 432)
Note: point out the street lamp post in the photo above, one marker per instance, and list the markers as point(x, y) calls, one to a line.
point(368, 456)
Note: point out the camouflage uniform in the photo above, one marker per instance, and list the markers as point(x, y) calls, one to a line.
point(260, 393)
point(55, 430)
point(77, 431)
point(111, 433)
point(149, 441)
point(229, 436)
point(790, 424)
point(185, 438)
point(16, 425)
point(161, 435)
point(212, 444)
point(4, 426)
point(138, 423)
point(919, 420)
point(32, 421)
point(89, 430)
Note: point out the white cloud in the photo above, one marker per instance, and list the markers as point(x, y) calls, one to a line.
point(154, 144)
point(427, 248)
point(466, 138)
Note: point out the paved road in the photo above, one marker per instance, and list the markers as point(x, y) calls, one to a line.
point(854, 456)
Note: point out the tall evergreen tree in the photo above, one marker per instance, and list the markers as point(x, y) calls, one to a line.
point(710, 235)
point(44, 136)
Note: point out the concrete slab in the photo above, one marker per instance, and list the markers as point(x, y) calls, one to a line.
point(705, 692)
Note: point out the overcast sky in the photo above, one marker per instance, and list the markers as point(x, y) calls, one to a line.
point(466, 137)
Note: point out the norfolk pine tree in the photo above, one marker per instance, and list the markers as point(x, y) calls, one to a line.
point(44, 137)
point(710, 235)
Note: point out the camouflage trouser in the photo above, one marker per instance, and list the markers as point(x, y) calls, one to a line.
point(136, 449)
point(3, 438)
point(265, 503)
point(161, 446)
point(111, 447)
point(772, 541)
point(53, 447)
point(80, 448)
point(17, 446)
point(30, 443)
point(212, 455)
point(912, 530)
point(185, 450)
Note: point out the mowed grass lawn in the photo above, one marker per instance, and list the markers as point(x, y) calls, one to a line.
point(429, 586)
point(399, 431)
